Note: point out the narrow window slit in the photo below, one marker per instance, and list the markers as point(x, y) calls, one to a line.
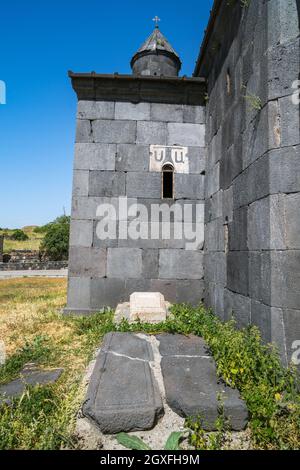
point(168, 182)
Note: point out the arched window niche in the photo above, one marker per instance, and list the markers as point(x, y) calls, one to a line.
point(168, 181)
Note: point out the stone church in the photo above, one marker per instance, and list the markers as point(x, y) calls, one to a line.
point(216, 154)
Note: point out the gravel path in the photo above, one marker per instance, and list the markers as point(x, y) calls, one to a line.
point(32, 273)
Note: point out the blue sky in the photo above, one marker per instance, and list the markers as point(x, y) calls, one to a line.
point(39, 42)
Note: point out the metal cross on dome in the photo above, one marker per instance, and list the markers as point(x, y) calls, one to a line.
point(156, 19)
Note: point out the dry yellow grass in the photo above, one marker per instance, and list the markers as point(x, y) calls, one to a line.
point(31, 307)
point(33, 243)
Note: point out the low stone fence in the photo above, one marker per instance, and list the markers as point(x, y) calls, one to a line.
point(33, 265)
point(20, 256)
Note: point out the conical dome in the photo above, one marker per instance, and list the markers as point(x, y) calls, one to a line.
point(156, 57)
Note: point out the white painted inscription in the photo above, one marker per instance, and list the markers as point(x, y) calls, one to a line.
point(160, 155)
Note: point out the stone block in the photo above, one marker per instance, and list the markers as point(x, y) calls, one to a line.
point(215, 267)
point(166, 112)
point(95, 110)
point(255, 143)
point(93, 207)
point(228, 205)
point(230, 166)
point(212, 181)
point(95, 156)
point(81, 233)
point(285, 279)
point(289, 120)
point(186, 134)
point(197, 160)
point(132, 157)
point(84, 131)
point(214, 207)
point(106, 184)
point(189, 186)
point(284, 170)
point(283, 58)
point(151, 133)
point(132, 111)
point(214, 151)
point(179, 345)
point(238, 272)
point(114, 132)
point(79, 293)
point(252, 184)
point(150, 264)
point(166, 287)
point(124, 263)
point(261, 317)
point(215, 298)
point(283, 16)
point(291, 321)
point(149, 307)
point(80, 183)
point(149, 235)
point(145, 185)
point(257, 287)
point(292, 220)
point(238, 307)
point(238, 230)
point(278, 333)
point(105, 235)
point(193, 391)
point(194, 114)
point(87, 262)
point(107, 292)
point(190, 292)
point(215, 235)
point(267, 224)
point(30, 377)
point(180, 264)
point(123, 395)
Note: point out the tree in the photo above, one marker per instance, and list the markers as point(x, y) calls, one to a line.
point(55, 244)
point(19, 235)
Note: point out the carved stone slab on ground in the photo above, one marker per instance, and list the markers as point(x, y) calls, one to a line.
point(191, 383)
point(123, 394)
point(29, 376)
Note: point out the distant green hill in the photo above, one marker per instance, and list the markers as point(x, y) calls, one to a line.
point(32, 244)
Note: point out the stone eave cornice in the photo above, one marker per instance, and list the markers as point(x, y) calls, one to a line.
point(136, 88)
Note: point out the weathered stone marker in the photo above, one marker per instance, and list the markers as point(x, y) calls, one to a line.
point(31, 375)
point(191, 383)
point(149, 307)
point(123, 394)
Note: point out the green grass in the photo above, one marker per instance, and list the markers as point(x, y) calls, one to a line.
point(33, 243)
point(44, 418)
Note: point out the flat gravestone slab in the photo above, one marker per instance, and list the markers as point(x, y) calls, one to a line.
point(172, 345)
point(123, 394)
point(128, 345)
point(32, 377)
point(192, 387)
point(148, 307)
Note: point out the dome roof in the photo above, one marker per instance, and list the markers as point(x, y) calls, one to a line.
point(157, 42)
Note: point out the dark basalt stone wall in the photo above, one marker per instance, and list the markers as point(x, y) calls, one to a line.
point(252, 209)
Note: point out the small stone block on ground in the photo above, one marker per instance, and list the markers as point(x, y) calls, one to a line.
point(29, 376)
point(148, 307)
point(123, 394)
point(191, 383)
